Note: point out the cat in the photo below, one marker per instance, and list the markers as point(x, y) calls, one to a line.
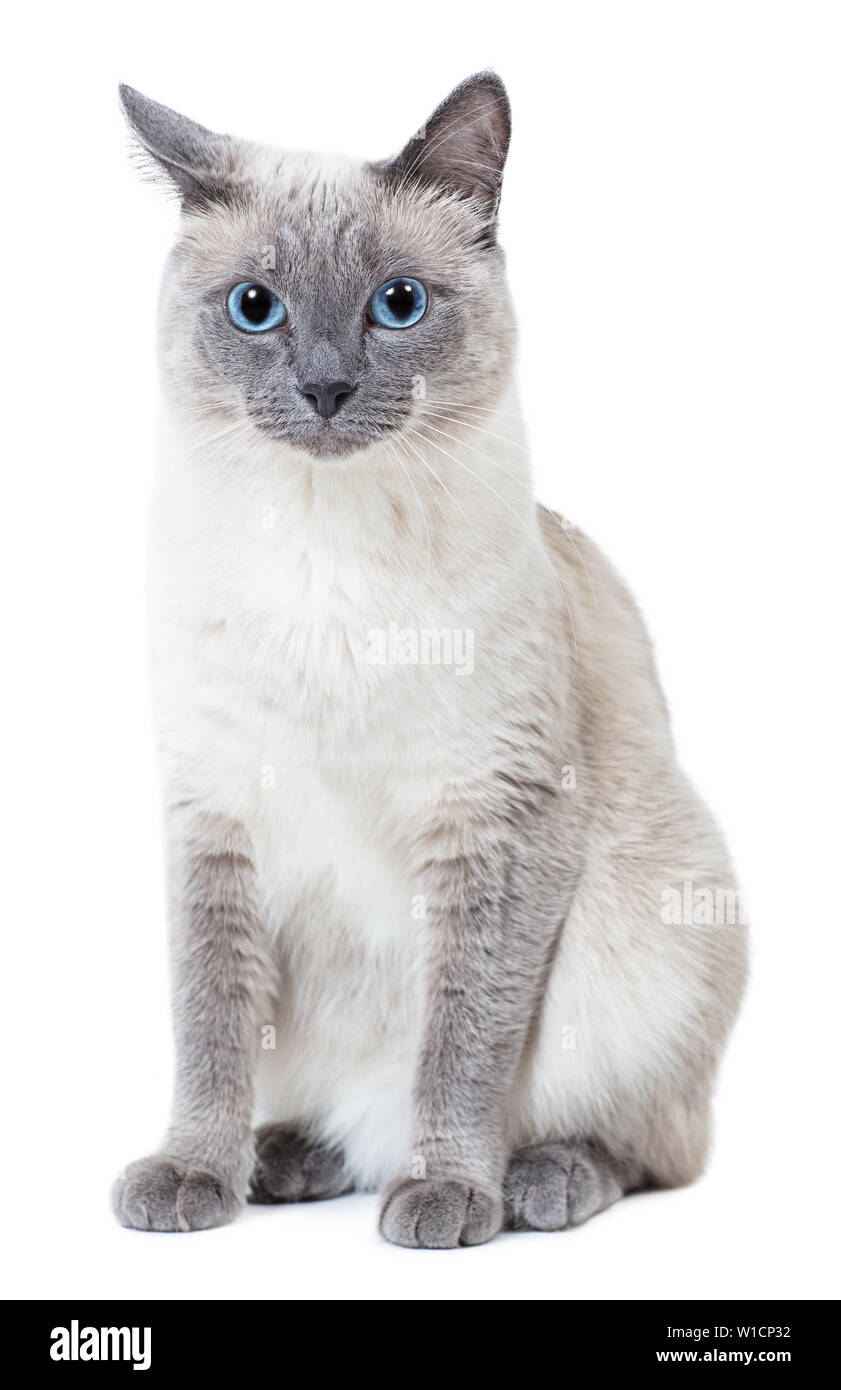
point(420, 922)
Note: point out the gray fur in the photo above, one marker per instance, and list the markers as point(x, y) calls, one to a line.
point(201, 164)
point(496, 916)
point(440, 1213)
point(289, 1167)
point(220, 968)
point(553, 1185)
point(462, 147)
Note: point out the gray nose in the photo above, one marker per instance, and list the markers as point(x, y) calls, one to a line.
point(327, 396)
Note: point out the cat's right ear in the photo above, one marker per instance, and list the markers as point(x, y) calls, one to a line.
point(462, 147)
point(195, 160)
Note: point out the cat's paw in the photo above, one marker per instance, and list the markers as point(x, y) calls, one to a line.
point(291, 1168)
point(553, 1185)
point(439, 1213)
point(163, 1194)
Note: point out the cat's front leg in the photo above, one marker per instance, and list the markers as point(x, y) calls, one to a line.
point(493, 921)
point(220, 972)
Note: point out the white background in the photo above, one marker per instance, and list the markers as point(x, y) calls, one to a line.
point(672, 221)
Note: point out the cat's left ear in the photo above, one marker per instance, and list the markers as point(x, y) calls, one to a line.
point(463, 145)
point(198, 162)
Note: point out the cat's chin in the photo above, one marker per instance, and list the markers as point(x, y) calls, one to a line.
point(325, 443)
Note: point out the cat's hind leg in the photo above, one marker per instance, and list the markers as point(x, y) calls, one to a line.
point(553, 1185)
point(559, 1183)
point(289, 1167)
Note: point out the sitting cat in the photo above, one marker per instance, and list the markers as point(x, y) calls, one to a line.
point(417, 901)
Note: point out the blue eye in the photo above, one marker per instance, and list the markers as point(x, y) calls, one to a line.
point(398, 303)
point(255, 309)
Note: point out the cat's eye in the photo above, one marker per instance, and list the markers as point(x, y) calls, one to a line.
point(255, 309)
point(398, 303)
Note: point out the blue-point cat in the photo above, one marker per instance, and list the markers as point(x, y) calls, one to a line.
point(426, 826)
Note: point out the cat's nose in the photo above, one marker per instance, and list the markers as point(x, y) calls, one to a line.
point(327, 396)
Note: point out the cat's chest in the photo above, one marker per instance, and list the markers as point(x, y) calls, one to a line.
point(305, 637)
point(338, 653)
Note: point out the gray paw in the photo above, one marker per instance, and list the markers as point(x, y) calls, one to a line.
point(439, 1213)
point(290, 1168)
point(163, 1194)
point(553, 1185)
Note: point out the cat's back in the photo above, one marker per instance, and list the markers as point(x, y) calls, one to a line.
point(612, 652)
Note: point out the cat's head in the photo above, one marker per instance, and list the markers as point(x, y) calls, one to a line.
point(331, 302)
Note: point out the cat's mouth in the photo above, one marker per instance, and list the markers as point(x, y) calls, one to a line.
point(337, 437)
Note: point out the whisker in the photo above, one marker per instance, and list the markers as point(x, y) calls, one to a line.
point(480, 429)
point(428, 466)
point(423, 514)
point(227, 435)
point(461, 464)
point(402, 592)
point(466, 405)
point(520, 482)
point(399, 441)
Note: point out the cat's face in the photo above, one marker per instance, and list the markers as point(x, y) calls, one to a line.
point(333, 302)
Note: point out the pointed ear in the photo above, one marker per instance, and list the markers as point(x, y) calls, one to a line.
point(464, 143)
point(198, 162)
